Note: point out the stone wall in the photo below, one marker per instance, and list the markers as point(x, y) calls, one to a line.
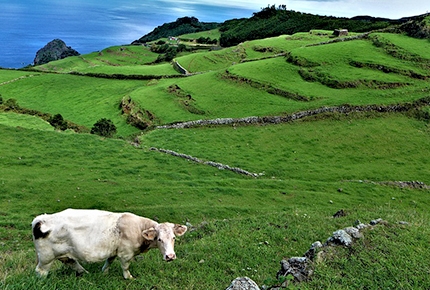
point(179, 68)
point(210, 163)
point(344, 109)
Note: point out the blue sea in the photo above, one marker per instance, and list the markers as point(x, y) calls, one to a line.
point(92, 25)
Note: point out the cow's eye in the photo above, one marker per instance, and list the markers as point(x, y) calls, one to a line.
point(159, 239)
point(174, 238)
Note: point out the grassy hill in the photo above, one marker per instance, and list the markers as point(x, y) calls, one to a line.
point(354, 136)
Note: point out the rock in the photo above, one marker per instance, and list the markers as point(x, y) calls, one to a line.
point(361, 226)
point(375, 222)
point(295, 266)
point(310, 254)
point(353, 232)
point(339, 213)
point(403, 223)
point(243, 283)
point(54, 50)
point(340, 237)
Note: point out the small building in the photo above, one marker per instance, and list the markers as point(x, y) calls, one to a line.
point(340, 32)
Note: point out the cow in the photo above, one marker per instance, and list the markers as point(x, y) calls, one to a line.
point(89, 236)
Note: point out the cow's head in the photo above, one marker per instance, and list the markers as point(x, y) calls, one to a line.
point(164, 235)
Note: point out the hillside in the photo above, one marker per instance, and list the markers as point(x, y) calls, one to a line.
point(256, 147)
point(270, 21)
point(181, 26)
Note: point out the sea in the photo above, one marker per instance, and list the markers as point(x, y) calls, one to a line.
point(92, 25)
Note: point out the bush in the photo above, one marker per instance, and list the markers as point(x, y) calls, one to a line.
point(11, 104)
point(104, 127)
point(58, 122)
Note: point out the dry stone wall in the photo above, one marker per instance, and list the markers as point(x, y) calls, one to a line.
point(210, 163)
point(344, 109)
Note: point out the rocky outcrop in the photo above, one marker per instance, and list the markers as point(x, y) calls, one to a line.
point(418, 28)
point(54, 50)
point(136, 116)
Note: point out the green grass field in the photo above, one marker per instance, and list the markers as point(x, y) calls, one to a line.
point(241, 225)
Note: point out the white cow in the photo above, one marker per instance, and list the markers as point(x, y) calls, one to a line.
point(78, 235)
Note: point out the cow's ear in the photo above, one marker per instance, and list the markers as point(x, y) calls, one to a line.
point(149, 234)
point(179, 230)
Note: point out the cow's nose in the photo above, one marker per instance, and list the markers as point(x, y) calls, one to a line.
point(170, 257)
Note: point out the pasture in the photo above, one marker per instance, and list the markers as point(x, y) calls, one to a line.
point(238, 225)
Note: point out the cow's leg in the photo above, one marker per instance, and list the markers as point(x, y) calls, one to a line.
point(42, 268)
point(74, 265)
point(44, 263)
point(106, 266)
point(125, 263)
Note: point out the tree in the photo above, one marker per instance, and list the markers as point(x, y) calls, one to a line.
point(104, 128)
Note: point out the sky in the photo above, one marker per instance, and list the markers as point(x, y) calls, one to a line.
point(393, 9)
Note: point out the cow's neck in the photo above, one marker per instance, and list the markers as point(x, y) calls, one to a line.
point(147, 245)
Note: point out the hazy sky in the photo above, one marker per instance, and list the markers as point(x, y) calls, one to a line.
point(346, 8)
point(393, 9)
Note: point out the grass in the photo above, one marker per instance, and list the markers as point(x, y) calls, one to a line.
point(74, 98)
point(241, 226)
point(217, 98)
point(212, 34)
point(415, 46)
point(111, 57)
point(346, 149)
point(209, 61)
point(25, 121)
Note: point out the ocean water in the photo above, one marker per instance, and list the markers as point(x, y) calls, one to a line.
point(91, 25)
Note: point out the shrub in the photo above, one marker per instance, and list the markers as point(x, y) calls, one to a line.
point(11, 104)
point(104, 127)
point(58, 122)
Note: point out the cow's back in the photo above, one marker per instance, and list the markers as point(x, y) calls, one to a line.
point(85, 235)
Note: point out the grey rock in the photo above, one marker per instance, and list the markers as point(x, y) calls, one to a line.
point(243, 283)
point(353, 232)
point(295, 266)
point(310, 254)
point(361, 226)
point(375, 222)
point(340, 237)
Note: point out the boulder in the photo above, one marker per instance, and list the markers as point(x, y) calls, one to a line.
point(54, 50)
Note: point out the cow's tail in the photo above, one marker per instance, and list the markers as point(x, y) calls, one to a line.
point(40, 230)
